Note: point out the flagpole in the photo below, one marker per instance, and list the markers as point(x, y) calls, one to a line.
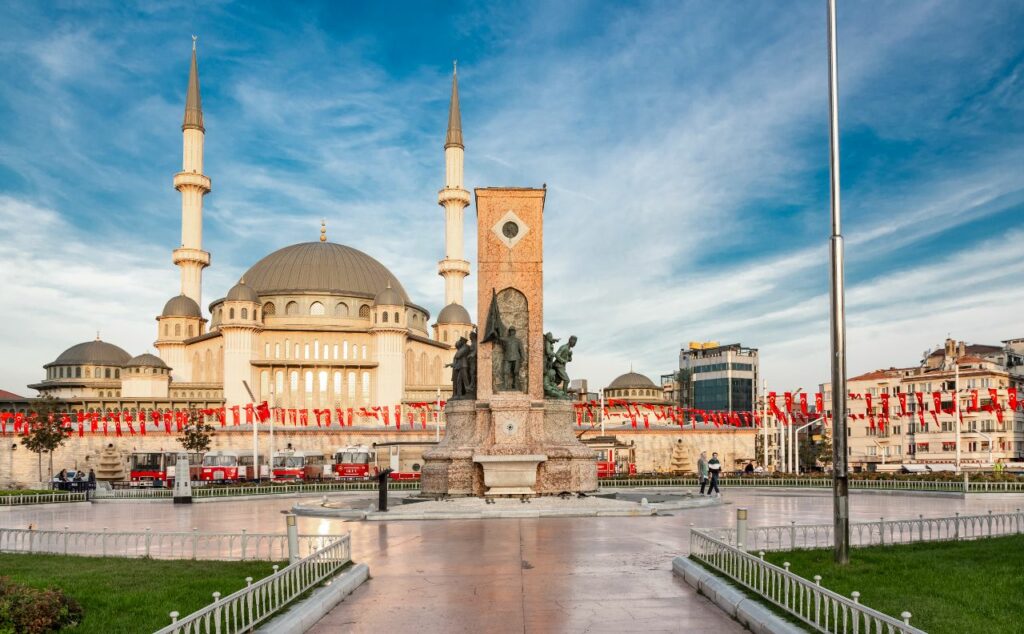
point(840, 475)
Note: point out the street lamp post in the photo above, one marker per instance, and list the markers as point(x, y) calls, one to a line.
point(840, 476)
point(796, 451)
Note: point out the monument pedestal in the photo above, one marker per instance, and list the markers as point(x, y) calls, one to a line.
point(488, 445)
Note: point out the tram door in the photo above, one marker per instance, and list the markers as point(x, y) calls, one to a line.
point(395, 462)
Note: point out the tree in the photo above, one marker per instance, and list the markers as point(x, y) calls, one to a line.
point(47, 432)
point(196, 434)
point(815, 452)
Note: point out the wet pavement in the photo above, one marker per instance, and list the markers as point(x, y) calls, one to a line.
point(594, 574)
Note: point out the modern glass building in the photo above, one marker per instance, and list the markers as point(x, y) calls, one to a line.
point(717, 377)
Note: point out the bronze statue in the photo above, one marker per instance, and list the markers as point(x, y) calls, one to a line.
point(512, 351)
point(562, 357)
point(551, 389)
point(460, 370)
point(471, 365)
point(549, 350)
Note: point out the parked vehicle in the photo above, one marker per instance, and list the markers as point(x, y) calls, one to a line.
point(228, 466)
point(403, 457)
point(355, 462)
point(157, 469)
point(302, 466)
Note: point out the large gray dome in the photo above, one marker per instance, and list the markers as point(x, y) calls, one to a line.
point(631, 379)
point(181, 306)
point(454, 314)
point(321, 267)
point(92, 353)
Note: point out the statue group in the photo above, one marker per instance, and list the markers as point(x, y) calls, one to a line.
point(463, 367)
point(556, 379)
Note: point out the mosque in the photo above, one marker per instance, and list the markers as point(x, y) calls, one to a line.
point(315, 325)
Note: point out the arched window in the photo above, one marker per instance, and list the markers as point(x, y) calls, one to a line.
point(341, 309)
point(245, 313)
point(106, 373)
point(117, 374)
point(293, 380)
point(298, 351)
point(269, 309)
point(306, 350)
point(444, 336)
point(292, 308)
point(231, 313)
point(277, 351)
point(337, 385)
point(366, 386)
point(335, 352)
point(266, 350)
point(309, 381)
point(316, 309)
point(167, 330)
point(410, 373)
point(396, 318)
point(177, 330)
point(351, 386)
point(364, 352)
point(88, 373)
point(344, 350)
point(287, 349)
point(364, 311)
point(316, 348)
point(384, 317)
point(279, 380)
point(190, 332)
point(323, 382)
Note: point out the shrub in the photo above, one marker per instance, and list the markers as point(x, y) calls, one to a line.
point(28, 610)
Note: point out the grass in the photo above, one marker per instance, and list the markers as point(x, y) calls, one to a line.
point(9, 492)
point(949, 587)
point(132, 595)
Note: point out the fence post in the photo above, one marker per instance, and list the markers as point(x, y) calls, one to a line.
point(741, 528)
point(906, 617)
point(105, 541)
point(881, 533)
point(195, 542)
point(174, 616)
point(792, 534)
point(967, 483)
point(817, 580)
point(149, 540)
point(856, 596)
point(245, 538)
point(990, 522)
point(920, 528)
point(293, 538)
point(65, 540)
point(956, 526)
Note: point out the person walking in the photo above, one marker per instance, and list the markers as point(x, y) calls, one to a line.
point(714, 469)
point(702, 470)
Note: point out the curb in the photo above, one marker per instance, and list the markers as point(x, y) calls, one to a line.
point(751, 614)
point(305, 614)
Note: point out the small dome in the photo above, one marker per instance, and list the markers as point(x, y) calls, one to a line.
point(181, 306)
point(454, 314)
point(146, 361)
point(242, 293)
point(388, 297)
point(93, 353)
point(631, 380)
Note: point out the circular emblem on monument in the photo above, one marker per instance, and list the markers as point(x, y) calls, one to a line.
point(510, 229)
point(509, 428)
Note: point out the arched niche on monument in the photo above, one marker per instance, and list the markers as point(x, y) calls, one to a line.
point(510, 359)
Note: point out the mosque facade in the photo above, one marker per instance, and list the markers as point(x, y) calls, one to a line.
point(315, 325)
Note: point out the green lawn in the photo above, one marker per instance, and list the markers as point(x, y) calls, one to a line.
point(949, 587)
point(132, 595)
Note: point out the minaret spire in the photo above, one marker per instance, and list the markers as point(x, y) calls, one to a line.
point(454, 198)
point(193, 185)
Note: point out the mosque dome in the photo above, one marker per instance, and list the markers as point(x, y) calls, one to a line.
point(454, 314)
point(146, 361)
point(631, 380)
point(93, 353)
point(181, 306)
point(388, 297)
point(321, 267)
point(242, 292)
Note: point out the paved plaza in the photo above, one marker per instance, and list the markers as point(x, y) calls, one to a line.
point(599, 574)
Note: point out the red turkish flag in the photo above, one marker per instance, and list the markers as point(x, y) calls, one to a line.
point(349, 414)
point(236, 412)
point(937, 401)
point(993, 394)
point(788, 398)
point(304, 417)
point(903, 403)
point(803, 403)
point(398, 415)
point(819, 403)
point(773, 406)
point(1011, 399)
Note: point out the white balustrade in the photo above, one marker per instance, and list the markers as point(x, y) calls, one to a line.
point(41, 498)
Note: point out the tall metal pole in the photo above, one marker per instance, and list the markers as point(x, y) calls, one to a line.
point(956, 411)
point(840, 475)
point(764, 420)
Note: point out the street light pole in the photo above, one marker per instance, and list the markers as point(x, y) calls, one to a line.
point(840, 475)
point(796, 453)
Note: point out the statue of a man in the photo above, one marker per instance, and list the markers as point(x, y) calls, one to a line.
point(512, 349)
point(460, 369)
point(562, 357)
point(471, 365)
point(549, 350)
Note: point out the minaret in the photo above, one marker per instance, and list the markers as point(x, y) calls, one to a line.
point(453, 268)
point(193, 185)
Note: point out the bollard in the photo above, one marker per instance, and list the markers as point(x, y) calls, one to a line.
point(760, 554)
point(382, 490)
point(216, 597)
point(856, 596)
point(174, 616)
point(248, 581)
point(817, 580)
point(275, 566)
point(906, 617)
point(741, 528)
point(293, 538)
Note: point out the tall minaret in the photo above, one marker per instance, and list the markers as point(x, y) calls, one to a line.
point(453, 268)
point(193, 185)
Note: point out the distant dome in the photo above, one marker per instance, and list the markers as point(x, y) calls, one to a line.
point(454, 314)
point(242, 292)
point(321, 267)
point(93, 353)
point(388, 297)
point(181, 306)
point(631, 380)
point(146, 361)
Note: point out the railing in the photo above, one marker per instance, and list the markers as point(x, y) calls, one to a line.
point(818, 607)
point(41, 498)
point(952, 486)
point(880, 533)
point(149, 493)
point(173, 545)
point(257, 602)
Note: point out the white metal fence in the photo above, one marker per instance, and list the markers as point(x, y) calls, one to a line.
point(950, 486)
point(40, 498)
point(818, 607)
point(150, 493)
point(880, 533)
point(158, 545)
point(257, 602)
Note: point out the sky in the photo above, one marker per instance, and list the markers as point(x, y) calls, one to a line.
point(684, 146)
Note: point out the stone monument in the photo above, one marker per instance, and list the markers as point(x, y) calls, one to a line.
point(510, 424)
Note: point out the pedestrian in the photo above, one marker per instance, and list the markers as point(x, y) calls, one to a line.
point(749, 468)
point(702, 470)
point(714, 468)
point(92, 479)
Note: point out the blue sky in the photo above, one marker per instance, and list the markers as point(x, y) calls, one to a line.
point(684, 146)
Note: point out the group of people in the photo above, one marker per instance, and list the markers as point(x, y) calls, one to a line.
point(78, 481)
point(708, 472)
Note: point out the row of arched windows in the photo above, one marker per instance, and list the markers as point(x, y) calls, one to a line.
point(317, 309)
point(178, 330)
point(311, 388)
point(315, 350)
point(78, 372)
point(422, 371)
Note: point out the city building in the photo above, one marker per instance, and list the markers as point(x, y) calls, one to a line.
point(718, 377)
point(314, 325)
point(967, 370)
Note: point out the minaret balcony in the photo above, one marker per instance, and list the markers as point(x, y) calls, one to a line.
point(452, 266)
point(191, 255)
point(192, 179)
point(449, 194)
